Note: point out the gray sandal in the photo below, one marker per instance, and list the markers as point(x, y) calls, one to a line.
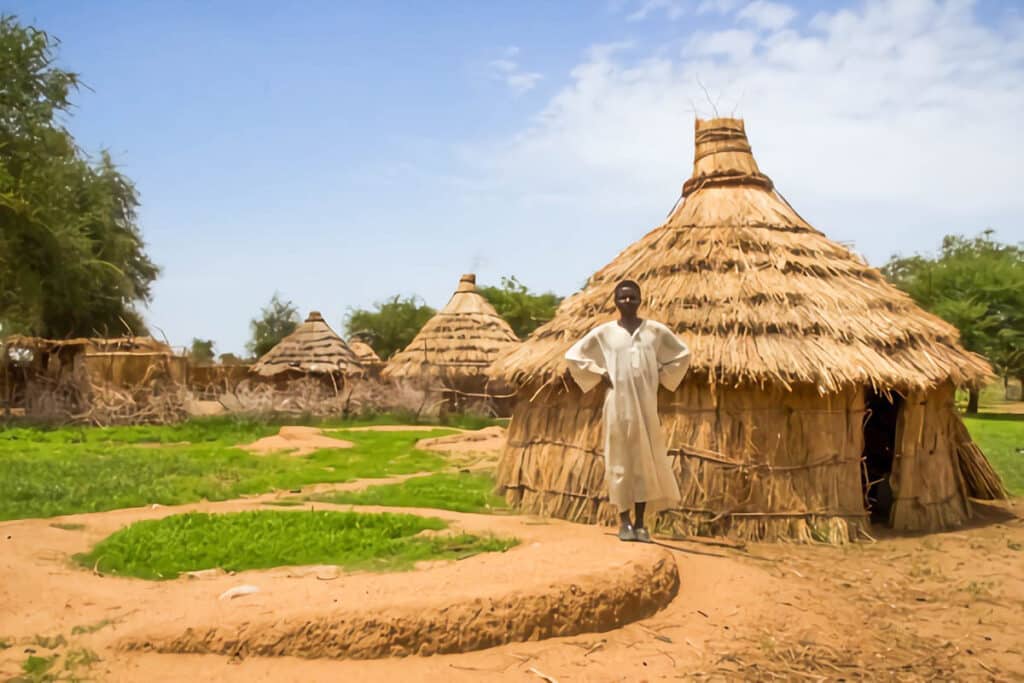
point(642, 535)
point(627, 533)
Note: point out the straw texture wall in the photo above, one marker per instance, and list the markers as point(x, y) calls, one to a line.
point(456, 347)
point(787, 329)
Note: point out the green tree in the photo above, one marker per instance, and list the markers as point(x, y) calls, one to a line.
point(277, 320)
point(72, 258)
point(522, 309)
point(201, 350)
point(976, 284)
point(390, 325)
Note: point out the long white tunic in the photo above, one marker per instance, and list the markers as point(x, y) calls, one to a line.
point(637, 467)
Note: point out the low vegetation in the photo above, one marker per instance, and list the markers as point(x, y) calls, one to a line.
point(164, 548)
point(465, 492)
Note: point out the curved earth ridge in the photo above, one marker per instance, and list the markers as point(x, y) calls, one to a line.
point(594, 602)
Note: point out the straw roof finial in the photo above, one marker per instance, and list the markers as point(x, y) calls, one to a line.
point(314, 316)
point(467, 283)
point(722, 156)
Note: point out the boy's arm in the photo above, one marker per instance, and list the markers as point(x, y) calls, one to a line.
point(673, 358)
point(586, 362)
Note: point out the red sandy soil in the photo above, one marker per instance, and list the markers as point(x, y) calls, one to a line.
point(941, 606)
point(296, 441)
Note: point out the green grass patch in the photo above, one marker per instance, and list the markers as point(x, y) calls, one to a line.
point(444, 491)
point(164, 548)
point(38, 666)
point(1000, 436)
point(90, 628)
point(50, 472)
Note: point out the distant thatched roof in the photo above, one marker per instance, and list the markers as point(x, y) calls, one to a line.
point(89, 344)
point(314, 348)
point(462, 340)
point(367, 356)
point(757, 293)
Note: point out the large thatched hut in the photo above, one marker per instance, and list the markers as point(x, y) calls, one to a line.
point(812, 378)
point(455, 348)
point(313, 349)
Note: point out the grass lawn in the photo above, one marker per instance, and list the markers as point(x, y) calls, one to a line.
point(443, 491)
point(999, 436)
point(164, 548)
point(48, 472)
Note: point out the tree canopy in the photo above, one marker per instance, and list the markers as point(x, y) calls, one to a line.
point(72, 258)
point(521, 308)
point(201, 350)
point(277, 320)
point(976, 284)
point(390, 325)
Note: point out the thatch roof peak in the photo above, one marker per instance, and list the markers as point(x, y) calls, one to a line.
point(757, 293)
point(467, 283)
point(722, 156)
point(312, 348)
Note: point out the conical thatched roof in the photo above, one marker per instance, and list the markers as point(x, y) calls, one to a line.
point(757, 293)
point(462, 340)
point(312, 348)
point(367, 356)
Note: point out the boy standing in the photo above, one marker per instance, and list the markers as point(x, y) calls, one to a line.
point(630, 356)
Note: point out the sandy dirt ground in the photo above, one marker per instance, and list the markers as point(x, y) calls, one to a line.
point(296, 441)
point(946, 606)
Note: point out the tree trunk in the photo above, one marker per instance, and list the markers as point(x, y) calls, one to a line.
point(1020, 394)
point(972, 401)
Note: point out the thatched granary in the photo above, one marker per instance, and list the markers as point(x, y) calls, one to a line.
point(798, 346)
point(455, 348)
point(312, 349)
point(367, 356)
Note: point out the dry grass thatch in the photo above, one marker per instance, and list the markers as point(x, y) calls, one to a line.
point(457, 345)
point(758, 294)
point(313, 348)
point(789, 332)
point(367, 356)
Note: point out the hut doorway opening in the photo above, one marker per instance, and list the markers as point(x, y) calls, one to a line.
point(880, 419)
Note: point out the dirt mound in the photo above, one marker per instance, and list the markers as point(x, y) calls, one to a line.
point(297, 440)
point(486, 440)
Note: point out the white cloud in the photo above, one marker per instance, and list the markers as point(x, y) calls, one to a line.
point(507, 71)
point(733, 43)
point(673, 9)
point(717, 6)
point(886, 126)
point(767, 15)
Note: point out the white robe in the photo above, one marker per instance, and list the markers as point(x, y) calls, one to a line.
point(637, 467)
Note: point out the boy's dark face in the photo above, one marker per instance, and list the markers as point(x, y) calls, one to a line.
point(627, 300)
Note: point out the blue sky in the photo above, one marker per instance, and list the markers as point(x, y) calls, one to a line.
point(343, 152)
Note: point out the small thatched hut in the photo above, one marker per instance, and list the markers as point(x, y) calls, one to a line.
point(454, 349)
point(367, 356)
point(812, 377)
point(313, 349)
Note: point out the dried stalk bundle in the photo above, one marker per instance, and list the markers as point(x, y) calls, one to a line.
point(788, 331)
point(312, 396)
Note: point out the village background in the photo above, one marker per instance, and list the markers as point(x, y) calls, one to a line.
point(204, 312)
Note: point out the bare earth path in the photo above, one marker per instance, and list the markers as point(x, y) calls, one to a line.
point(942, 606)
